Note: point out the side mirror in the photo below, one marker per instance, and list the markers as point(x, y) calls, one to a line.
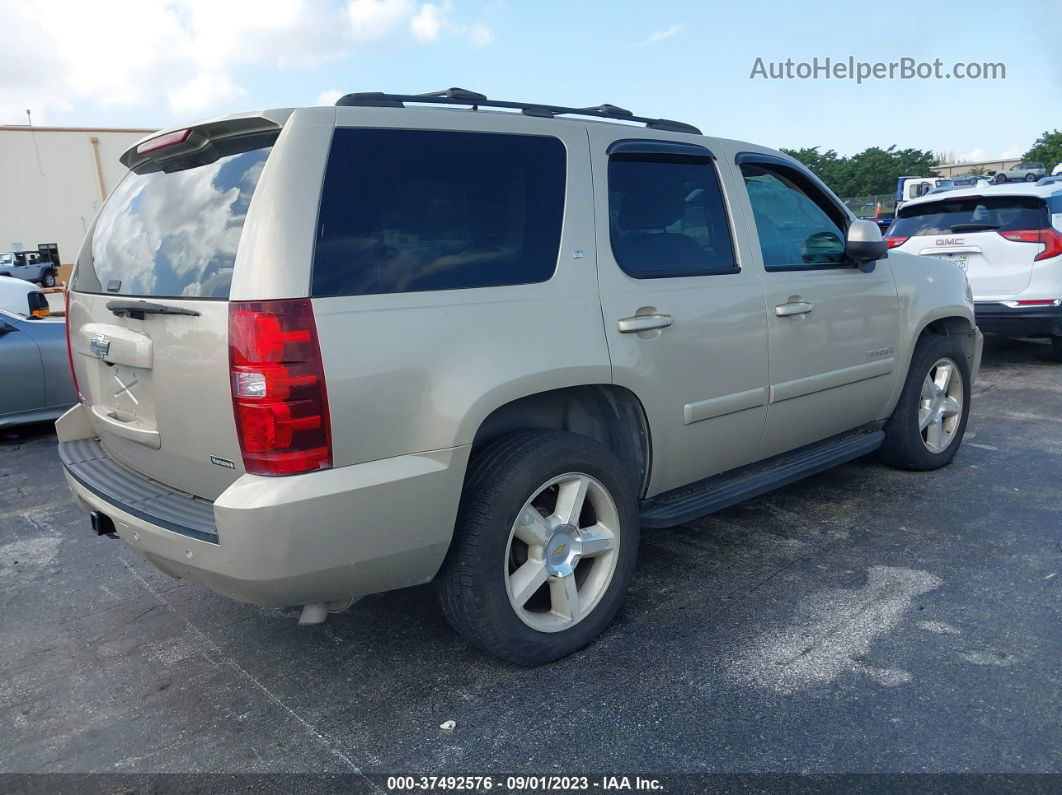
point(864, 245)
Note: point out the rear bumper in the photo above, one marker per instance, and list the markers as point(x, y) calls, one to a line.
point(318, 537)
point(1037, 321)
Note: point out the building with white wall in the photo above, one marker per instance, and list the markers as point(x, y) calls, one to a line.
point(53, 180)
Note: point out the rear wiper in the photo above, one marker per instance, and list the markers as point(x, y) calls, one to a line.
point(137, 309)
point(973, 227)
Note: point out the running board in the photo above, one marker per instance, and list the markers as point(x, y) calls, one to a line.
point(721, 491)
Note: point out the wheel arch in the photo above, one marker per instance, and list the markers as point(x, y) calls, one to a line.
point(943, 323)
point(609, 414)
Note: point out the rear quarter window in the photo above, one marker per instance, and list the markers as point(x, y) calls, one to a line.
point(973, 214)
point(417, 210)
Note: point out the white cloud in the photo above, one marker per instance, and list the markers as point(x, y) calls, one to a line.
point(658, 36)
point(1014, 150)
point(433, 20)
point(427, 23)
point(328, 97)
point(479, 35)
point(374, 19)
point(185, 53)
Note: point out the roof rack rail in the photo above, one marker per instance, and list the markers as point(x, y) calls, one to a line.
point(462, 96)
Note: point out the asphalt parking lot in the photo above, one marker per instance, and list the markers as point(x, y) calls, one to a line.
point(865, 620)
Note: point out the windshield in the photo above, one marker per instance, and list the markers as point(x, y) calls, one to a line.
point(971, 214)
point(173, 234)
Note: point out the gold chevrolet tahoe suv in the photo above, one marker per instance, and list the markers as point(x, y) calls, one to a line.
point(331, 351)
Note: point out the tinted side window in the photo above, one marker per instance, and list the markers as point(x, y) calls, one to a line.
point(667, 218)
point(795, 231)
point(412, 210)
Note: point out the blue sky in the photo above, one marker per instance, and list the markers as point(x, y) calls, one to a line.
point(160, 62)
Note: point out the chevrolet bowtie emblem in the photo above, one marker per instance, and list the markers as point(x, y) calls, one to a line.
point(99, 346)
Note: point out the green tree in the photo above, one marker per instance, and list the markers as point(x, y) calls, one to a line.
point(870, 172)
point(1047, 150)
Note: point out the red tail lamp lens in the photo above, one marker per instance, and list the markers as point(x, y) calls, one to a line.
point(1050, 238)
point(278, 387)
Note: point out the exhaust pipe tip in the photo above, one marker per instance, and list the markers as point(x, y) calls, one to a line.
point(102, 525)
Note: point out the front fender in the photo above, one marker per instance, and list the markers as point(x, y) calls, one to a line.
point(929, 290)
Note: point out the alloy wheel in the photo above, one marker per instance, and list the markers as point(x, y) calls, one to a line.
point(940, 408)
point(562, 552)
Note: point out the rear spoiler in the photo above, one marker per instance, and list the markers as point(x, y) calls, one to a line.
point(180, 142)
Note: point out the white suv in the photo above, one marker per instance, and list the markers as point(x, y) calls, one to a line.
point(1008, 239)
point(328, 352)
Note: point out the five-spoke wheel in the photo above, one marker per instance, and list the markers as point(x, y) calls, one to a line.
point(926, 427)
point(941, 407)
point(562, 552)
point(544, 548)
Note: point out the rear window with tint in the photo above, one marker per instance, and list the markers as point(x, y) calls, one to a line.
point(974, 214)
point(174, 235)
point(413, 210)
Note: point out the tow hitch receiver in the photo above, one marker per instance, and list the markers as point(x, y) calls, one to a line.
point(102, 525)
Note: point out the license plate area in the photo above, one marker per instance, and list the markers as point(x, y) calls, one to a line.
point(962, 260)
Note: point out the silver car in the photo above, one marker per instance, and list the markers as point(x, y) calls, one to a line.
point(36, 383)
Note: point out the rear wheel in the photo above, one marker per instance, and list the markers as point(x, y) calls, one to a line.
point(927, 426)
point(544, 549)
point(1030, 178)
point(1056, 348)
point(48, 279)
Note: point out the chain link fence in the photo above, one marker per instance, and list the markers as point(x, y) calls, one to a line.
point(882, 205)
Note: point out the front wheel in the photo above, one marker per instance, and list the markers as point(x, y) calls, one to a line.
point(927, 426)
point(544, 549)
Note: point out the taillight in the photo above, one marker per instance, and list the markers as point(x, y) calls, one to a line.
point(70, 349)
point(278, 387)
point(1049, 238)
point(896, 241)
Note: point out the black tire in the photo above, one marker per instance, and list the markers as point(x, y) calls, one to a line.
point(1056, 348)
point(1000, 179)
point(904, 447)
point(500, 480)
point(48, 279)
point(1031, 178)
point(8, 275)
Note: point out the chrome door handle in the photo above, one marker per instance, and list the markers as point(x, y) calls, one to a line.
point(794, 308)
point(632, 325)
